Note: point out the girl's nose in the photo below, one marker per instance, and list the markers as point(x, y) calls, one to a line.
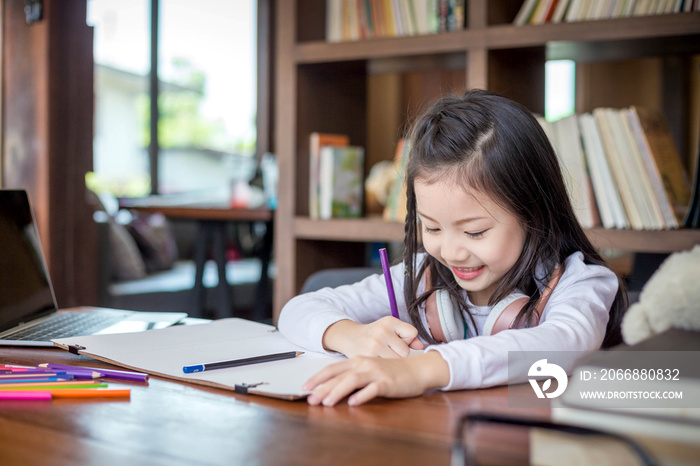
point(453, 251)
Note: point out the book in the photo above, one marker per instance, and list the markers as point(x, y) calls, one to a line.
point(526, 11)
point(560, 11)
point(395, 209)
point(657, 185)
point(619, 169)
point(605, 190)
point(678, 423)
point(316, 142)
point(659, 142)
point(567, 142)
point(341, 185)
point(692, 218)
point(334, 20)
point(457, 15)
point(647, 202)
point(572, 13)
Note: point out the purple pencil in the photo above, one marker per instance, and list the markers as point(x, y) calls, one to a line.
point(389, 284)
point(124, 375)
point(76, 373)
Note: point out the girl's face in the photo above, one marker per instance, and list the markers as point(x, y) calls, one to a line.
point(470, 234)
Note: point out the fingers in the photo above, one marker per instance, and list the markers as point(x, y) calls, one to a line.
point(404, 330)
point(333, 390)
point(416, 344)
point(374, 377)
point(337, 388)
point(368, 393)
point(325, 374)
point(397, 349)
point(339, 380)
point(399, 336)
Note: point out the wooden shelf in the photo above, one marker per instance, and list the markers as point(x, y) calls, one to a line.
point(642, 27)
point(371, 90)
point(321, 52)
point(370, 229)
point(666, 241)
point(364, 230)
point(502, 37)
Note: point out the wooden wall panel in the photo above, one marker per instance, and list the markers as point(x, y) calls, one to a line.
point(47, 126)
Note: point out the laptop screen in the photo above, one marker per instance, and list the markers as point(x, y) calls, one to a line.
point(25, 288)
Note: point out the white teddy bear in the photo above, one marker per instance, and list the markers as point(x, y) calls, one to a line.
point(671, 298)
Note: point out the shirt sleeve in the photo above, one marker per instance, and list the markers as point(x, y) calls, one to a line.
point(574, 319)
point(305, 318)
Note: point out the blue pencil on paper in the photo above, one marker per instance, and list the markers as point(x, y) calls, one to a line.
point(240, 362)
point(389, 284)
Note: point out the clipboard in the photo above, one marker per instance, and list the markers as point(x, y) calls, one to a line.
point(164, 352)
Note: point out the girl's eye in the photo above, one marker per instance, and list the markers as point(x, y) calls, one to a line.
point(431, 230)
point(478, 234)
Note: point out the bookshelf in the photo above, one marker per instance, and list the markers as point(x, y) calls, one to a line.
point(371, 89)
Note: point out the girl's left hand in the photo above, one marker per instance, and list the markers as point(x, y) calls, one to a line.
point(391, 378)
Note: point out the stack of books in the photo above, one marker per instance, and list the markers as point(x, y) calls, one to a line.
point(348, 20)
point(557, 11)
point(336, 177)
point(622, 168)
point(672, 356)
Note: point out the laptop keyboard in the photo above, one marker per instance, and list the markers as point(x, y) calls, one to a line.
point(65, 325)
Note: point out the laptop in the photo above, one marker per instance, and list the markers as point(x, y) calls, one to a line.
point(29, 315)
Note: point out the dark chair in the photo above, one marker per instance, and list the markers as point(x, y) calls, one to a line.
point(336, 277)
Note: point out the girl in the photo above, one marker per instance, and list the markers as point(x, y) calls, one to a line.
point(485, 189)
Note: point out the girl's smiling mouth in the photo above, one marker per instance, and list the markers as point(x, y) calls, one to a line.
point(467, 273)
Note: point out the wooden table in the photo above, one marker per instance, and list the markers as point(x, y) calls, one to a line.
point(211, 219)
point(173, 423)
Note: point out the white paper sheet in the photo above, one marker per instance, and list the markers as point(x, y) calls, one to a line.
point(165, 352)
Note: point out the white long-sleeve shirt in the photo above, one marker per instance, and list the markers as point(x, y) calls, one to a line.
point(574, 319)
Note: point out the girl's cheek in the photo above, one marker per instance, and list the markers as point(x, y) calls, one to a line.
point(431, 247)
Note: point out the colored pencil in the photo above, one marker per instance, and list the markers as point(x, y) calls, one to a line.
point(389, 284)
point(64, 393)
point(115, 374)
point(28, 395)
point(240, 362)
point(25, 375)
point(61, 383)
point(78, 374)
point(34, 379)
point(50, 386)
point(89, 393)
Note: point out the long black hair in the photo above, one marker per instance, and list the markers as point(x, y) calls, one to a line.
point(494, 145)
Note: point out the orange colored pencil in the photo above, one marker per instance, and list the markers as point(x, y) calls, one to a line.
point(88, 393)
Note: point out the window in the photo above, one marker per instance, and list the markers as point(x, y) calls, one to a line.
point(560, 82)
point(206, 72)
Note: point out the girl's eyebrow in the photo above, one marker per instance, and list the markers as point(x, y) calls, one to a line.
point(458, 222)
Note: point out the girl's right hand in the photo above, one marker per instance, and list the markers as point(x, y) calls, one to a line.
point(387, 337)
